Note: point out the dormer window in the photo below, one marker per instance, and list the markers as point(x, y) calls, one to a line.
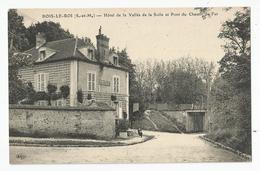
point(115, 60)
point(42, 54)
point(91, 54)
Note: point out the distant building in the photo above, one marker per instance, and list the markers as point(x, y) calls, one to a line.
point(82, 66)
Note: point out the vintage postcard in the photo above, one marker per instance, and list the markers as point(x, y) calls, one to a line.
point(129, 85)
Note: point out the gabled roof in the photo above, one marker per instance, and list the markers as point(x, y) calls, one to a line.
point(65, 50)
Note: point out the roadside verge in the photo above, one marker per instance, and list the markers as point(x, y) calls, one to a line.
point(245, 156)
point(54, 142)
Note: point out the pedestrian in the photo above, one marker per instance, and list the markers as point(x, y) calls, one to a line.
point(140, 133)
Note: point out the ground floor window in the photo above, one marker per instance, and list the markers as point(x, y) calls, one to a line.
point(91, 81)
point(41, 81)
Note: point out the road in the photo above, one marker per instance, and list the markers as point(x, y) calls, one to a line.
point(164, 148)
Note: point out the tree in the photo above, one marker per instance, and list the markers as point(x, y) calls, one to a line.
point(21, 38)
point(231, 93)
point(235, 65)
point(17, 88)
point(53, 31)
point(184, 80)
point(17, 40)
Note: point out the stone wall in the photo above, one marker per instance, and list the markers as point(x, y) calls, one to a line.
point(45, 121)
point(179, 115)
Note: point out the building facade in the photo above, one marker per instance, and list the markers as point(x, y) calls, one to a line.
point(77, 63)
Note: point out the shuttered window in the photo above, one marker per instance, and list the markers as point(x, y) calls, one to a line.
point(116, 84)
point(41, 81)
point(91, 81)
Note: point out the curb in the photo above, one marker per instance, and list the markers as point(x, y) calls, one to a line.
point(243, 155)
point(74, 143)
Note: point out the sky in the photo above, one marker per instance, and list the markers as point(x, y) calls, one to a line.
point(154, 37)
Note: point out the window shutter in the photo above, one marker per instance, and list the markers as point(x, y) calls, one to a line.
point(94, 82)
point(118, 85)
point(46, 81)
point(89, 81)
point(35, 85)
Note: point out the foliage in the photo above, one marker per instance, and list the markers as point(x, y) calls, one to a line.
point(16, 32)
point(113, 97)
point(56, 96)
point(21, 38)
point(52, 31)
point(17, 89)
point(89, 97)
point(231, 92)
point(181, 81)
point(134, 87)
point(41, 95)
point(65, 91)
point(80, 96)
point(30, 94)
point(51, 89)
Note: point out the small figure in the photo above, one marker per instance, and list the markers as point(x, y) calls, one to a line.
point(140, 133)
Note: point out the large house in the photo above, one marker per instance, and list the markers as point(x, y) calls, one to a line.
point(95, 71)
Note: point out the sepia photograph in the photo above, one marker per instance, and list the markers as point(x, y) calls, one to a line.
point(129, 85)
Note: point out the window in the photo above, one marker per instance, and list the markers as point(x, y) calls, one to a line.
point(41, 81)
point(115, 60)
point(91, 54)
point(91, 81)
point(116, 84)
point(42, 54)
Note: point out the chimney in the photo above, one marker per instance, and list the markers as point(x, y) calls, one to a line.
point(102, 46)
point(40, 40)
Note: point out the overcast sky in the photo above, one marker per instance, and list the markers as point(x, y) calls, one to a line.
point(157, 37)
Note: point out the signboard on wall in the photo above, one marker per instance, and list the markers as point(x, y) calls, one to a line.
point(104, 83)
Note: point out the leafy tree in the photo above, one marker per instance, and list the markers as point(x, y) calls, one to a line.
point(134, 92)
point(183, 87)
point(184, 80)
point(17, 89)
point(231, 93)
point(17, 40)
point(53, 31)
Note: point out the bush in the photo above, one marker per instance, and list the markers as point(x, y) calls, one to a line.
point(30, 92)
point(56, 96)
point(65, 91)
point(51, 88)
point(89, 97)
point(113, 97)
point(41, 95)
point(80, 96)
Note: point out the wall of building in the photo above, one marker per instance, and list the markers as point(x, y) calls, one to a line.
point(59, 122)
point(59, 72)
point(104, 83)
